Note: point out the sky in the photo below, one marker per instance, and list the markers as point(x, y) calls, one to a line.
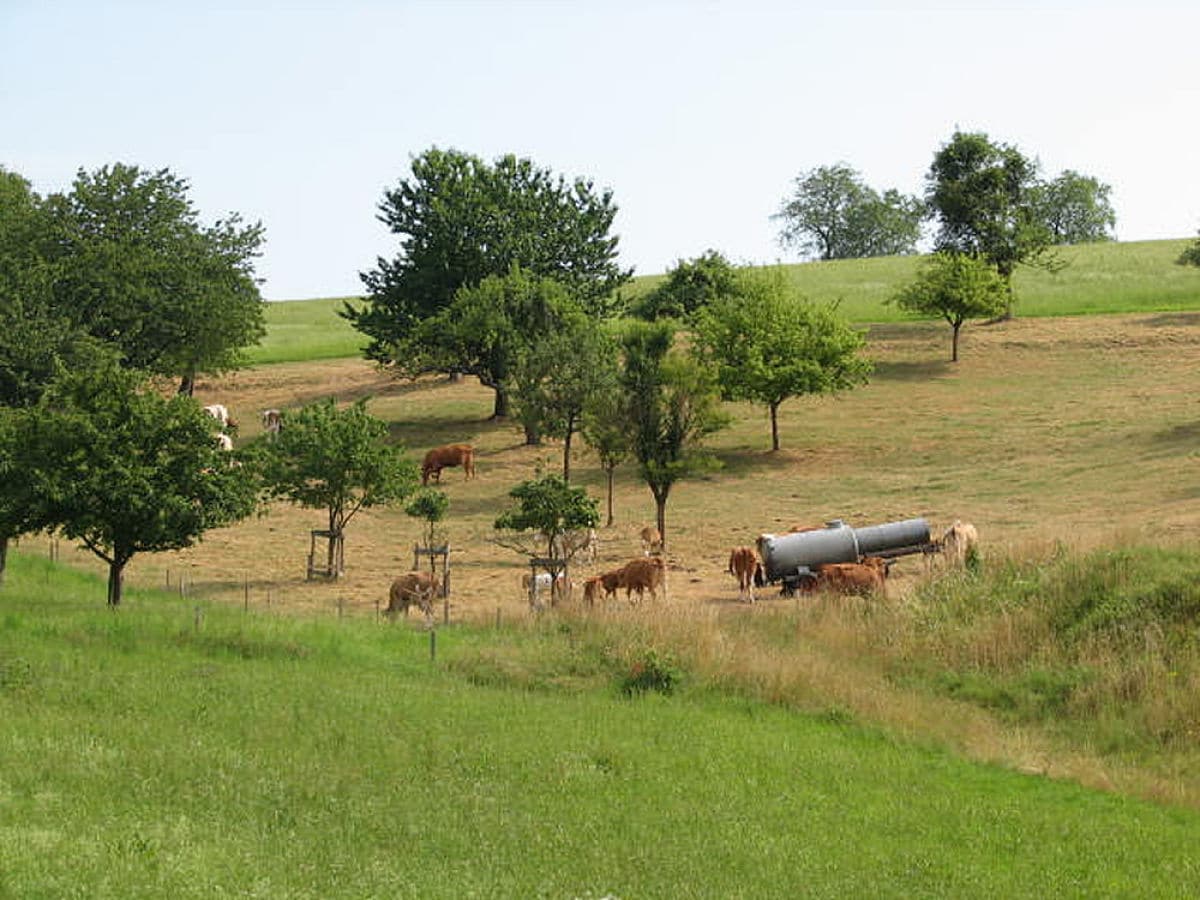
point(699, 116)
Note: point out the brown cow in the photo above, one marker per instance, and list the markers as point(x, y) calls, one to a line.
point(643, 574)
point(744, 565)
point(413, 589)
point(609, 581)
point(850, 578)
point(651, 540)
point(447, 457)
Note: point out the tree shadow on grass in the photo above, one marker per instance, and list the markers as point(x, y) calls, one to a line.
point(908, 371)
point(1164, 320)
point(1178, 440)
point(434, 431)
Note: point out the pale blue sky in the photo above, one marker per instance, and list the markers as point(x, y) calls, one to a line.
point(697, 115)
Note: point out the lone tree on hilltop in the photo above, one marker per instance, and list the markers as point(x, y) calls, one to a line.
point(833, 214)
point(1191, 255)
point(337, 460)
point(460, 220)
point(1075, 209)
point(956, 287)
point(123, 469)
point(767, 346)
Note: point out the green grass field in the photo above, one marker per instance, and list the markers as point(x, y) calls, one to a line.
point(199, 751)
point(1098, 278)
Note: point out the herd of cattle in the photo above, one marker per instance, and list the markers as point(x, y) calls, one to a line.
point(868, 575)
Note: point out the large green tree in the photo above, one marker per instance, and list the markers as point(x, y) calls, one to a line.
point(689, 286)
point(487, 327)
point(557, 375)
point(337, 460)
point(833, 214)
point(460, 220)
point(956, 287)
point(122, 469)
point(673, 403)
point(984, 196)
point(767, 346)
point(1076, 209)
point(136, 267)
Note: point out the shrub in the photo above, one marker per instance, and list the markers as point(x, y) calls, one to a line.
point(653, 671)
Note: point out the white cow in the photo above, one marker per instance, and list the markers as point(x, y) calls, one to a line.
point(225, 441)
point(218, 412)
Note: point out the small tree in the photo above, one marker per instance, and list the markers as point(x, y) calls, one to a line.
point(548, 508)
point(767, 346)
point(605, 427)
point(123, 469)
point(956, 287)
point(337, 460)
point(673, 403)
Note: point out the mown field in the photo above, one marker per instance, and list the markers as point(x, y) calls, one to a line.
point(946, 740)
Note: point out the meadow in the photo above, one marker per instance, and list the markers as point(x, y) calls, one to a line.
point(1028, 725)
point(179, 750)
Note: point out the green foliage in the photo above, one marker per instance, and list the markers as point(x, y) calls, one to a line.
point(136, 268)
point(461, 220)
point(766, 345)
point(1075, 209)
point(431, 505)
point(984, 196)
point(673, 403)
point(834, 215)
point(652, 671)
point(550, 507)
point(337, 460)
point(688, 287)
point(956, 287)
point(1191, 255)
point(123, 470)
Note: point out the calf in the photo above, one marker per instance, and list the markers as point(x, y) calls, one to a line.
point(446, 457)
point(413, 589)
point(744, 565)
point(651, 540)
point(535, 585)
point(850, 578)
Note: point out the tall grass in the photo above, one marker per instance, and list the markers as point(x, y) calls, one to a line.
point(158, 751)
point(1097, 278)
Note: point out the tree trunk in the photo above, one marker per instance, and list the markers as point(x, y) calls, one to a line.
point(774, 426)
point(567, 457)
point(661, 504)
point(954, 342)
point(610, 471)
point(3, 556)
point(187, 385)
point(116, 578)
point(533, 437)
point(500, 403)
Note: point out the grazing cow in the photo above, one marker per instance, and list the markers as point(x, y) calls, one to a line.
point(413, 589)
point(651, 540)
point(609, 581)
point(959, 540)
point(447, 457)
point(534, 585)
point(744, 565)
point(272, 420)
point(225, 441)
point(850, 578)
point(643, 575)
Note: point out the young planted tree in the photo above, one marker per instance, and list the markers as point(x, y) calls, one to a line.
point(605, 426)
point(956, 287)
point(557, 375)
point(123, 470)
point(460, 220)
point(767, 346)
point(673, 403)
point(833, 214)
point(550, 509)
point(337, 460)
point(136, 268)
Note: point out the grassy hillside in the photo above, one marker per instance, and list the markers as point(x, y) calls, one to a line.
point(199, 751)
point(1098, 278)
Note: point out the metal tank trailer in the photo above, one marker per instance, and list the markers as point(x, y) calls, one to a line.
point(789, 558)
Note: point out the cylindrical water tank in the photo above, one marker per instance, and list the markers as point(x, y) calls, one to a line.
point(786, 554)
